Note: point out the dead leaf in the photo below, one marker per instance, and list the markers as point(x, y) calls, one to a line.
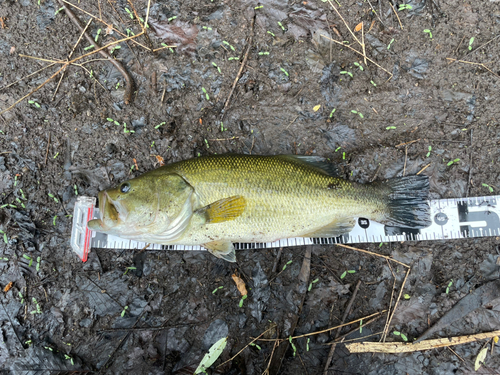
point(160, 160)
point(182, 34)
point(109, 30)
point(336, 31)
point(8, 286)
point(316, 107)
point(12, 50)
point(358, 26)
point(480, 358)
point(371, 26)
point(136, 166)
point(240, 284)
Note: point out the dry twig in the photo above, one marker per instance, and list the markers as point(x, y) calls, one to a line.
point(246, 346)
point(388, 324)
point(396, 13)
point(473, 63)
point(34, 90)
point(108, 25)
point(249, 46)
point(29, 75)
point(372, 253)
point(424, 168)
point(48, 146)
point(328, 329)
point(65, 64)
point(344, 317)
point(407, 143)
point(374, 11)
point(359, 53)
point(402, 347)
point(69, 57)
point(129, 87)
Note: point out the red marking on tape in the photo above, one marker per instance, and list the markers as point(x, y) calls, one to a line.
point(88, 235)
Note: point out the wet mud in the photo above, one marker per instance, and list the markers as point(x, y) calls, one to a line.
point(426, 95)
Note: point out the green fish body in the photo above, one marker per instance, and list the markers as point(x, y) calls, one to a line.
point(217, 200)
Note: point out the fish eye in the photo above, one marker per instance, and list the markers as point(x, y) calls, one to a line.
point(125, 188)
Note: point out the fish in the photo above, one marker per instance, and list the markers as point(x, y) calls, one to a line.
point(217, 200)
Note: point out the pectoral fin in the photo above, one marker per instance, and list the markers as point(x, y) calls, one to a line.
point(223, 210)
point(334, 229)
point(222, 249)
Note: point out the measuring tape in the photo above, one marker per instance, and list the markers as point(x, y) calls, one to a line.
point(451, 219)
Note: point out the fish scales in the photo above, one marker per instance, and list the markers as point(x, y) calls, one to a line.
point(284, 198)
point(216, 200)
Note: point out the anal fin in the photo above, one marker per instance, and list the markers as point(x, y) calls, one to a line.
point(222, 249)
point(334, 229)
point(224, 209)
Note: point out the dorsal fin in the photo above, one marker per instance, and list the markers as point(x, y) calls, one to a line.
point(316, 162)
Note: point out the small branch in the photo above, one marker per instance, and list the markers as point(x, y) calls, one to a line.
point(375, 254)
point(54, 61)
point(159, 49)
point(129, 87)
point(266, 372)
point(396, 13)
point(122, 341)
point(396, 304)
point(406, 157)
point(345, 23)
point(34, 90)
point(469, 179)
point(47, 154)
point(246, 346)
point(386, 325)
point(402, 347)
point(29, 75)
point(223, 139)
point(69, 57)
point(294, 313)
point(65, 64)
point(249, 46)
point(341, 325)
point(342, 337)
point(344, 317)
point(110, 26)
point(277, 260)
point(143, 27)
point(363, 41)
point(147, 12)
point(359, 53)
point(374, 11)
point(424, 168)
point(408, 143)
point(473, 63)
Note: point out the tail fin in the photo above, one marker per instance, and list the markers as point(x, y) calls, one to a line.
point(407, 204)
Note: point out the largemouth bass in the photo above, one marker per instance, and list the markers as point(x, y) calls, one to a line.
point(217, 200)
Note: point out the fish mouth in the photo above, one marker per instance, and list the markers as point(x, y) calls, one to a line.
point(108, 214)
point(107, 209)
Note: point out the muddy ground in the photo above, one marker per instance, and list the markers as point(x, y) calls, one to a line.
point(62, 315)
